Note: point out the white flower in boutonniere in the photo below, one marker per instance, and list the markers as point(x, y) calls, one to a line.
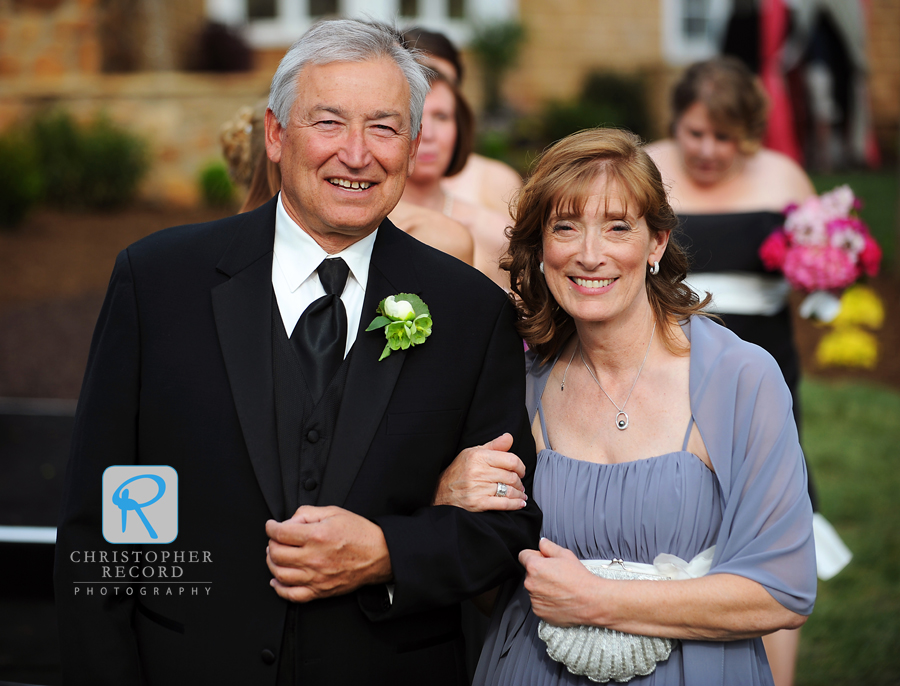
point(406, 322)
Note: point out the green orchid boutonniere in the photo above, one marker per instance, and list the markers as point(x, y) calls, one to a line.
point(406, 322)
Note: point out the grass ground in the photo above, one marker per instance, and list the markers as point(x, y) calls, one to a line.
point(851, 433)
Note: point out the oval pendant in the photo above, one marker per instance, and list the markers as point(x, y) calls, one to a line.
point(621, 421)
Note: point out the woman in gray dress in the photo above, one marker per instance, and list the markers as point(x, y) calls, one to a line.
point(664, 442)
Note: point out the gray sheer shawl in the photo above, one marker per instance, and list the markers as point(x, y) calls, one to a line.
point(742, 408)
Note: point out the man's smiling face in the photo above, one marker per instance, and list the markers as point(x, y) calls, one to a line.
point(347, 150)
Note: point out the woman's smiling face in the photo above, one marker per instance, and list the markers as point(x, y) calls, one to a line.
point(596, 264)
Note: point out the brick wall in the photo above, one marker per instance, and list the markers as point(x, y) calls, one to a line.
point(884, 77)
point(569, 38)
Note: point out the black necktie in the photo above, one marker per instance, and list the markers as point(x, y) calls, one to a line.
point(320, 335)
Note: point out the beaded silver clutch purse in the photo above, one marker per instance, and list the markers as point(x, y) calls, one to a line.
point(602, 654)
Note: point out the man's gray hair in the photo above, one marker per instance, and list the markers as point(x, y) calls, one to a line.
point(347, 40)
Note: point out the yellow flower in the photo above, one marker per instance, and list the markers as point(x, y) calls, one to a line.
point(848, 346)
point(860, 306)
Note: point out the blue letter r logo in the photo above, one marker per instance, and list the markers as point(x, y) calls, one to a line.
point(151, 493)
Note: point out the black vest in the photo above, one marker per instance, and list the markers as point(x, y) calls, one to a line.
point(305, 429)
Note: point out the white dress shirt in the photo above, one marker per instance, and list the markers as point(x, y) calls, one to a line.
point(297, 285)
point(296, 282)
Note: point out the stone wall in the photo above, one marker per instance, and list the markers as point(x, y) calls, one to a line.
point(179, 114)
point(43, 38)
point(88, 57)
point(54, 53)
point(48, 38)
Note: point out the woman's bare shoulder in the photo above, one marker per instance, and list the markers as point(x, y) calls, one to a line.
point(486, 182)
point(666, 156)
point(662, 151)
point(781, 176)
point(434, 229)
point(500, 171)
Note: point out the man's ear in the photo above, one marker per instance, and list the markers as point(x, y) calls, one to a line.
point(413, 150)
point(274, 133)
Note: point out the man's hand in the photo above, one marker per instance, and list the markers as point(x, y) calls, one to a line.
point(325, 551)
point(470, 482)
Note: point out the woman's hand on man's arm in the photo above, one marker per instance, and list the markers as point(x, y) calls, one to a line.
point(471, 480)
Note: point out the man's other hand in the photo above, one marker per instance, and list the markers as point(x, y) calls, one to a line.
point(325, 551)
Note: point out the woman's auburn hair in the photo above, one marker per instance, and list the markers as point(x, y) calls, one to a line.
point(560, 184)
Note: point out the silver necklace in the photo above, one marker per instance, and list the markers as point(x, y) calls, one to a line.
point(622, 416)
point(562, 386)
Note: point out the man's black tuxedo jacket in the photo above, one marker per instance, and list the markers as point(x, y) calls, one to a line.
point(180, 374)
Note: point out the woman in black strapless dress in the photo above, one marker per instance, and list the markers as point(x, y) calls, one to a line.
point(730, 194)
point(728, 243)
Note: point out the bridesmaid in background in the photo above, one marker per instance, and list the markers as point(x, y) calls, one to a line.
point(730, 194)
point(482, 180)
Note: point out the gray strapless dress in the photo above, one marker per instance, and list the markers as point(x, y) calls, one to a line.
point(636, 510)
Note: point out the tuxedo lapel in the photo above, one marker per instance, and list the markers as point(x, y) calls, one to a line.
point(243, 314)
point(370, 383)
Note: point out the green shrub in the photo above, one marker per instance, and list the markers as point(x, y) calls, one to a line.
point(623, 96)
point(496, 47)
point(563, 118)
point(216, 186)
point(517, 142)
point(97, 166)
point(606, 100)
point(115, 162)
point(57, 143)
point(20, 178)
point(493, 144)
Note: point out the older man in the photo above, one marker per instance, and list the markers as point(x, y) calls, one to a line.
point(237, 353)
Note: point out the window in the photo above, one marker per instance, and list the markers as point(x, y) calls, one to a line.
point(278, 23)
point(692, 28)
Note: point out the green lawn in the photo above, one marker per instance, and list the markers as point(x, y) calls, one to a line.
point(851, 434)
point(878, 192)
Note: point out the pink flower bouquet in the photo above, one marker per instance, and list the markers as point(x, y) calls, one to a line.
point(823, 245)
